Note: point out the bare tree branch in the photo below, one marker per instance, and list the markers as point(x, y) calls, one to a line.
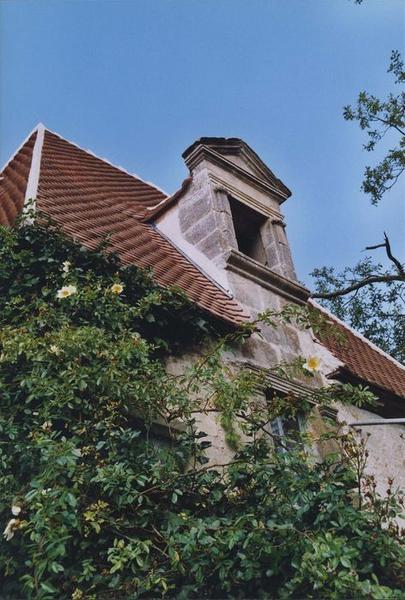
point(356, 285)
point(359, 284)
point(386, 244)
point(375, 247)
point(396, 262)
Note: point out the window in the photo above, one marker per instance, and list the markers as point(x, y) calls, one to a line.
point(247, 224)
point(285, 430)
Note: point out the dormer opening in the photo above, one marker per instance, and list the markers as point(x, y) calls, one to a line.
point(247, 224)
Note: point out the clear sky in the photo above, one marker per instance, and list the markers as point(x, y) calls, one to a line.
point(137, 81)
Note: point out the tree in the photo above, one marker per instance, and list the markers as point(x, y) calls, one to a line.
point(97, 504)
point(375, 310)
point(379, 118)
point(373, 295)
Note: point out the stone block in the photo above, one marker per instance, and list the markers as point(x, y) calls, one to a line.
point(246, 292)
point(196, 231)
point(212, 245)
point(260, 352)
point(193, 211)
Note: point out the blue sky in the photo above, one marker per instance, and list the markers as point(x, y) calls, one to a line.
point(137, 81)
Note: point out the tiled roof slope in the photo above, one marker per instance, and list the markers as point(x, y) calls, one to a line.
point(362, 358)
point(89, 198)
point(14, 182)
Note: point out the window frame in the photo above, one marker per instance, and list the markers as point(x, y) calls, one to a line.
point(244, 217)
point(282, 435)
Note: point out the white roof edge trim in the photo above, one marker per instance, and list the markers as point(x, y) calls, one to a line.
point(134, 175)
point(36, 128)
point(356, 333)
point(33, 177)
point(159, 203)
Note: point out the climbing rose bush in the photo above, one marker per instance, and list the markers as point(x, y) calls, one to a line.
point(104, 487)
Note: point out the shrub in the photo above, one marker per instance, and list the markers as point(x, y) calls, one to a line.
point(97, 504)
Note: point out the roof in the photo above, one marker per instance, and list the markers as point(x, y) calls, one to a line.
point(362, 358)
point(90, 198)
point(14, 182)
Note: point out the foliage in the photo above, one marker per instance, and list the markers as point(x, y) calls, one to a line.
point(98, 503)
point(379, 118)
point(377, 311)
point(368, 296)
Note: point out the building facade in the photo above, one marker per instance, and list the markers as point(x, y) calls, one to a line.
point(222, 239)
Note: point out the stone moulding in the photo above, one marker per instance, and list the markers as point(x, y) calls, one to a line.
point(328, 412)
point(287, 386)
point(221, 185)
point(249, 268)
point(202, 152)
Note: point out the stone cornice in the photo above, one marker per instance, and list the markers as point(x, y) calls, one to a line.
point(253, 270)
point(201, 152)
point(280, 384)
point(328, 412)
point(224, 186)
point(288, 386)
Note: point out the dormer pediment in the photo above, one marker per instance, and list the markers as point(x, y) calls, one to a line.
point(235, 156)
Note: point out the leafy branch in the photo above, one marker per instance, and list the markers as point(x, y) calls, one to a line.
point(378, 118)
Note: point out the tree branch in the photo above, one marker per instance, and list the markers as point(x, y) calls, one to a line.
point(386, 244)
point(356, 285)
point(389, 124)
point(392, 258)
point(359, 284)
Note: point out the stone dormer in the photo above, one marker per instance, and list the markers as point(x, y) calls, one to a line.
point(229, 220)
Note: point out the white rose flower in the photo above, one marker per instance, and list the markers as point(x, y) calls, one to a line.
point(312, 364)
point(117, 288)
point(8, 533)
point(66, 291)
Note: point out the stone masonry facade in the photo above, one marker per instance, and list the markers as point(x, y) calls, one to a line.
point(203, 225)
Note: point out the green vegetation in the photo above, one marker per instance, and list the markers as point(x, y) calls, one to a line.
point(96, 503)
point(381, 118)
point(370, 296)
point(377, 310)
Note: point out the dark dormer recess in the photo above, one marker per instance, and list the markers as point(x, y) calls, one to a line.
point(247, 224)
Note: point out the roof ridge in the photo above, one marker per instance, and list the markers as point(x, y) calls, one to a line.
point(20, 147)
point(35, 168)
point(356, 333)
point(105, 160)
point(158, 209)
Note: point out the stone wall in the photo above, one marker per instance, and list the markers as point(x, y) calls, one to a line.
point(386, 445)
point(201, 225)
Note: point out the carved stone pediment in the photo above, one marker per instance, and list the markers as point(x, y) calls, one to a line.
point(234, 155)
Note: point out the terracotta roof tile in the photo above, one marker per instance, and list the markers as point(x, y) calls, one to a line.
point(362, 358)
point(14, 182)
point(90, 198)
